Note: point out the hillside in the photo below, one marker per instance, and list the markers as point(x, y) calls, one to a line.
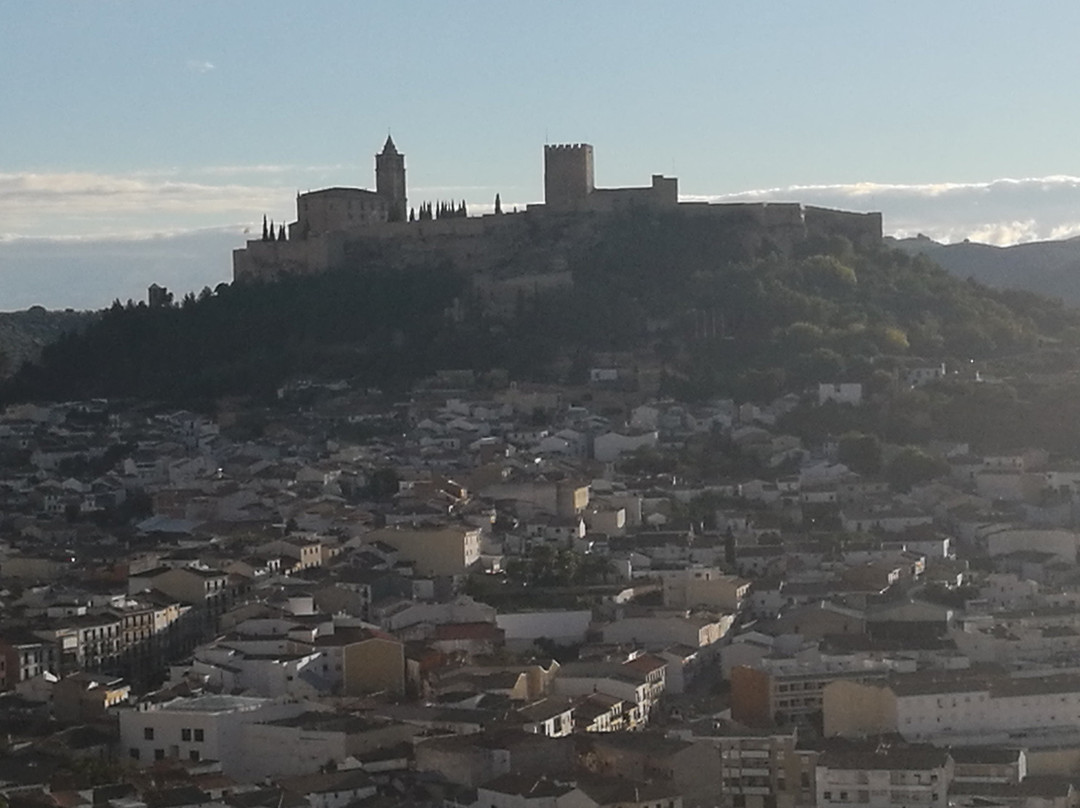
point(24, 334)
point(1050, 268)
point(718, 316)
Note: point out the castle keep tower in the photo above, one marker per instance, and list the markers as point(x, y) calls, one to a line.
point(390, 180)
point(568, 176)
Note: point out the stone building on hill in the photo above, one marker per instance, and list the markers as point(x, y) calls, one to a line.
point(508, 253)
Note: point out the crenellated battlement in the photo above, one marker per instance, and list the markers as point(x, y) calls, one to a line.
point(568, 176)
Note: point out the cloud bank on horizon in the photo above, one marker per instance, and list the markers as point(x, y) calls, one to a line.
point(81, 240)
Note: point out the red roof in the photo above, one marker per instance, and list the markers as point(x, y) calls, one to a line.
point(349, 636)
point(645, 663)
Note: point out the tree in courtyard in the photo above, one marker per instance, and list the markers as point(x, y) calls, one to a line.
point(913, 466)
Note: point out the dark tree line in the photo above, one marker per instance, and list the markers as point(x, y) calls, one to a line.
point(725, 313)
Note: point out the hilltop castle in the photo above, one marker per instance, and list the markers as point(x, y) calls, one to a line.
point(507, 252)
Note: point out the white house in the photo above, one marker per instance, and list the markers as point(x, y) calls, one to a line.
point(883, 776)
point(611, 445)
point(562, 627)
point(201, 728)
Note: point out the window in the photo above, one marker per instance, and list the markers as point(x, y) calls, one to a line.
point(198, 736)
point(185, 734)
point(148, 733)
point(159, 754)
point(134, 753)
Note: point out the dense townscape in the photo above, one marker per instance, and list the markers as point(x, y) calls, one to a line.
point(370, 438)
point(499, 594)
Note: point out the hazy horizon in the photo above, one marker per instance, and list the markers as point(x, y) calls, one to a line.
point(88, 271)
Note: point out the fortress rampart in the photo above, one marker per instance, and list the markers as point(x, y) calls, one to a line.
point(338, 228)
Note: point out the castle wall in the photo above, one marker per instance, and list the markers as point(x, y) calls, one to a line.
point(268, 260)
point(785, 224)
point(862, 229)
point(747, 213)
point(470, 226)
point(501, 296)
point(663, 193)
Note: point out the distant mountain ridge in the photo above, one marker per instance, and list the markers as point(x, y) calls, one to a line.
point(1050, 268)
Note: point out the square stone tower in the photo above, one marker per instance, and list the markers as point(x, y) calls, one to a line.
point(568, 176)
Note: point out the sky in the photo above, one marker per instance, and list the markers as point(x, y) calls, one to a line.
point(140, 139)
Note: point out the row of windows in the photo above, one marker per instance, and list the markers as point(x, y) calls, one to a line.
point(186, 734)
point(753, 782)
point(784, 704)
point(92, 633)
point(159, 754)
point(784, 688)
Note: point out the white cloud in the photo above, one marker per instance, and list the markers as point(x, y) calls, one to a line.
point(200, 66)
point(87, 204)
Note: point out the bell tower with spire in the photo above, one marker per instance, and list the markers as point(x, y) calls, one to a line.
point(390, 179)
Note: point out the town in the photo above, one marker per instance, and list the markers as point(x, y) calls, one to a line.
point(491, 593)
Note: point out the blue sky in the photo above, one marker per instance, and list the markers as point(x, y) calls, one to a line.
point(177, 124)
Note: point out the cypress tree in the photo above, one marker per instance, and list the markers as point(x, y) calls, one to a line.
point(498, 205)
point(266, 235)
